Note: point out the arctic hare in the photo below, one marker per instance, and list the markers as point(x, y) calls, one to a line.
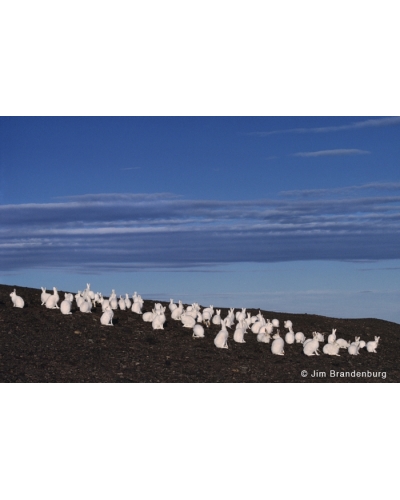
point(217, 318)
point(277, 345)
point(264, 337)
point(158, 322)
point(187, 320)
point(171, 305)
point(17, 300)
point(332, 336)
point(198, 331)
point(289, 337)
point(128, 303)
point(331, 348)
point(239, 332)
point(86, 306)
point(137, 307)
point(45, 295)
point(373, 344)
point(177, 313)
point(51, 302)
point(221, 339)
point(107, 316)
point(149, 316)
point(299, 337)
point(65, 306)
point(310, 346)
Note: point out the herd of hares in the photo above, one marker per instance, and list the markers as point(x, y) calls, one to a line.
point(196, 319)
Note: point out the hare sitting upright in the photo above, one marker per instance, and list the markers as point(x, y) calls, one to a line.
point(373, 344)
point(221, 340)
point(277, 345)
point(17, 300)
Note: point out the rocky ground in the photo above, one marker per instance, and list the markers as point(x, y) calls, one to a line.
point(42, 345)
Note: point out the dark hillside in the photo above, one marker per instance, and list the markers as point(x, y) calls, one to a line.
point(42, 345)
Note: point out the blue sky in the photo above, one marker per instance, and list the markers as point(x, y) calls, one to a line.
point(294, 214)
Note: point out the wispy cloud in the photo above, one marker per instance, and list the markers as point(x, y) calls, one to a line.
point(375, 122)
point(344, 190)
point(133, 231)
point(332, 152)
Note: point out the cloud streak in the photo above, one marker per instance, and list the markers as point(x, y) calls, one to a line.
point(130, 231)
point(331, 152)
point(377, 122)
point(343, 191)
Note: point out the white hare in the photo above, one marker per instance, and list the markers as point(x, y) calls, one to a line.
point(300, 338)
point(198, 331)
point(206, 315)
point(107, 316)
point(128, 303)
point(137, 307)
point(373, 344)
point(216, 320)
point(221, 339)
point(353, 349)
point(171, 305)
point(277, 345)
point(310, 346)
point(289, 337)
point(158, 321)
point(239, 332)
point(17, 300)
point(187, 320)
point(121, 303)
point(149, 316)
point(332, 336)
point(86, 306)
point(65, 306)
point(264, 337)
point(52, 301)
point(343, 344)
point(177, 312)
point(44, 296)
point(331, 348)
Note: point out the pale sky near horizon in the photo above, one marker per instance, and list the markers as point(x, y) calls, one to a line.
point(292, 214)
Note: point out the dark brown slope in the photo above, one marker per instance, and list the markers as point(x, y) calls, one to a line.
point(41, 345)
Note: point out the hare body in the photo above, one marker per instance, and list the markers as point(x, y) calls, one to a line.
point(148, 316)
point(343, 344)
point(198, 331)
point(107, 316)
point(331, 348)
point(52, 301)
point(239, 333)
point(17, 300)
point(310, 346)
point(373, 344)
point(216, 320)
point(264, 337)
point(187, 320)
point(221, 339)
point(332, 337)
point(277, 345)
point(65, 307)
point(44, 296)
